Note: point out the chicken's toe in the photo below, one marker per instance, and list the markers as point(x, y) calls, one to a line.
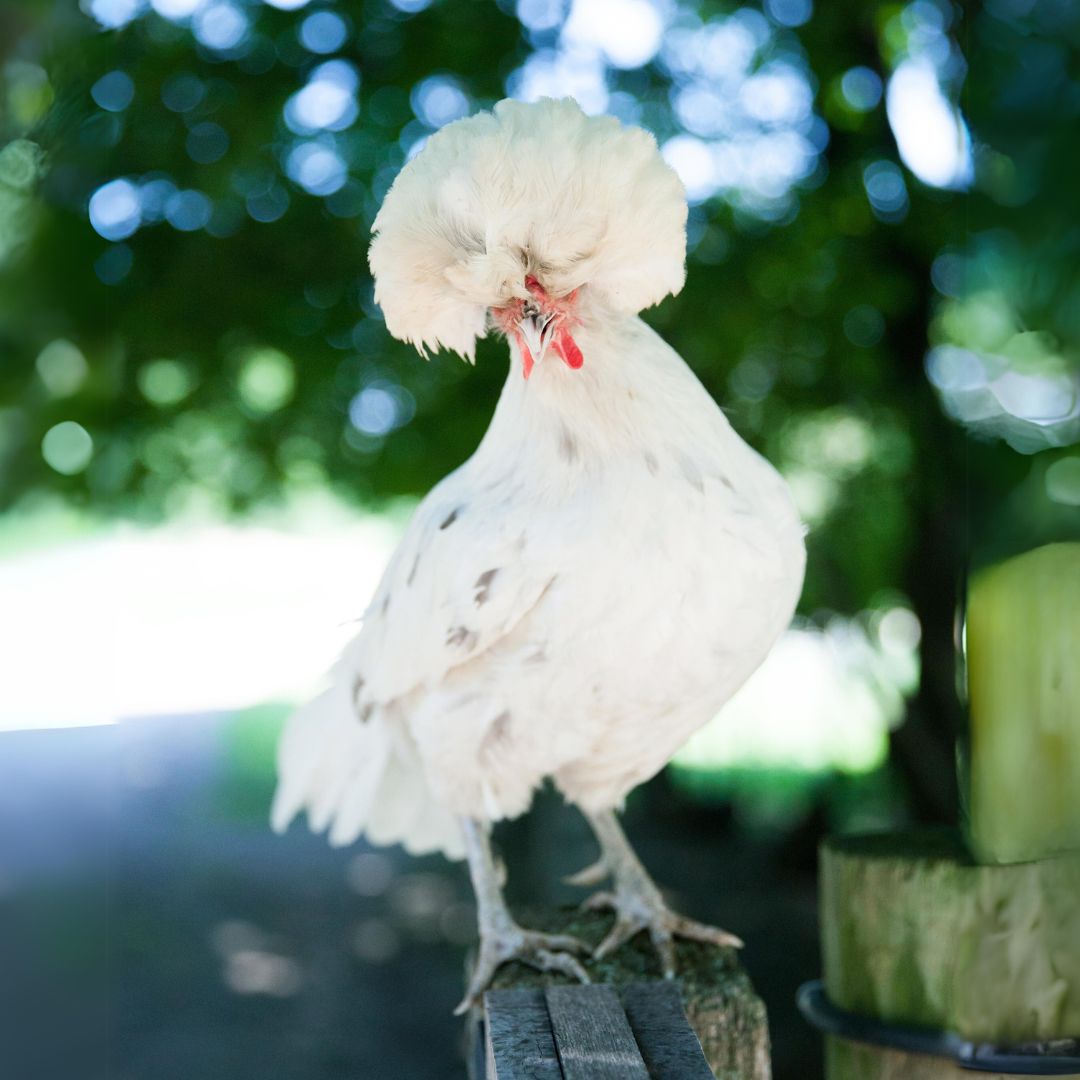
point(623, 930)
point(638, 906)
point(548, 952)
point(696, 931)
point(590, 875)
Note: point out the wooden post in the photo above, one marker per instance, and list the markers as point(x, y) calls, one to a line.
point(1023, 668)
point(914, 932)
point(725, 1014)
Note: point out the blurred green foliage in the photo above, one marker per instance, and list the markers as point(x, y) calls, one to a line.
point(246, 782)
point(211, 342)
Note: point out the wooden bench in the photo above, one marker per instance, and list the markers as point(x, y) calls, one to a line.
point(627, 1023)
point(591, 1033)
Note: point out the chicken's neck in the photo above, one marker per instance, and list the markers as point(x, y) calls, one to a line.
point(633, 391)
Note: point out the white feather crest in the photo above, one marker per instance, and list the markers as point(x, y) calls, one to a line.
point(537, 189)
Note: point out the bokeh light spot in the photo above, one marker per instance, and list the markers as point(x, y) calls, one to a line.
point(693, 161)
point(114, 264)
point(113, 92)
point(1063, 481)
point(207, 143)
point(886, 190)
point(952, 369)
point(188, 210)
point(627, 32)
point(777, 95)
point(327, 102)
point(269, 205)
point(947, 273)
point(67, 448)
point(317, 168)
point(175, 10)
point(438, 100)
point(790, 13)
point(899, 630)
point(221, 26)
point(930, 133)
point(557, 73)
point(153, 196)
point(266, 380)
point(369, 873)
point(861, 87)
point(115, 210)
point(113, 14)
point(182, 92)
point(1038, 398)
point(165, 382)
point(21, 163)
point(323, 32)
point(538, 15)
point(62, 367)
point(380, 408)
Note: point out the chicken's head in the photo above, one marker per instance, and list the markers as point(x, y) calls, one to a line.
point(529, 219)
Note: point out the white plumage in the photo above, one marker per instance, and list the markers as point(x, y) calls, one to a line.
point(608, 567)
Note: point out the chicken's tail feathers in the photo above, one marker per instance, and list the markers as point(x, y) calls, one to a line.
point(357, 778)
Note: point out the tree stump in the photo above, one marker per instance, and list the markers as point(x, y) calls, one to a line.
point(728, 1018)
point(914, 932)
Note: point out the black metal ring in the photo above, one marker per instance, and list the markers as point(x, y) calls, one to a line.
point(1059, 1058)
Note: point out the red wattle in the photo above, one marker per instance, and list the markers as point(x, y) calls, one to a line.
point(568, 349)
point(526, 356)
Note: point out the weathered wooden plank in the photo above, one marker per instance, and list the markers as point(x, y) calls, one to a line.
point(668, 1045)
point(520, 1044)
point(592, 1034)
point(720, 1003)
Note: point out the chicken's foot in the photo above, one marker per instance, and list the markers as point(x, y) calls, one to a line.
point(501, 938)
point(636, 900)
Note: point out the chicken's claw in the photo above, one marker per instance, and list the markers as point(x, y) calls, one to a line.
point(600, 901)
point(591, 875)
point(548, 952)
point(645, 910)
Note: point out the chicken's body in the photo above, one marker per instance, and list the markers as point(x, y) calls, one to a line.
point(573, 602)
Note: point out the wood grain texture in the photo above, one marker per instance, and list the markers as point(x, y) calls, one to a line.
point(592, 1034)
point(724, 1012)
point(520, 1044)
point(914, 932)
point(669, 1047)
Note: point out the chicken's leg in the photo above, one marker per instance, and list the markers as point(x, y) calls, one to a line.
point(636, 900)
point(501, 939)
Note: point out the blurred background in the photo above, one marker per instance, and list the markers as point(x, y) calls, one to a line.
point(209, 443)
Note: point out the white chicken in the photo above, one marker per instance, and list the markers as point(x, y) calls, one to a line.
point(603, 573)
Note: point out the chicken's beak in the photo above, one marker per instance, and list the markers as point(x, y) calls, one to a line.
point(535, 330)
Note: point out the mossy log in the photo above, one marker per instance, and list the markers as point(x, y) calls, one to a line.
point(1023, 668)
point(728, 1018)
point(914, 932)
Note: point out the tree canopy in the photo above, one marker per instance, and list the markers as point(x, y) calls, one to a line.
point(882, 284)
